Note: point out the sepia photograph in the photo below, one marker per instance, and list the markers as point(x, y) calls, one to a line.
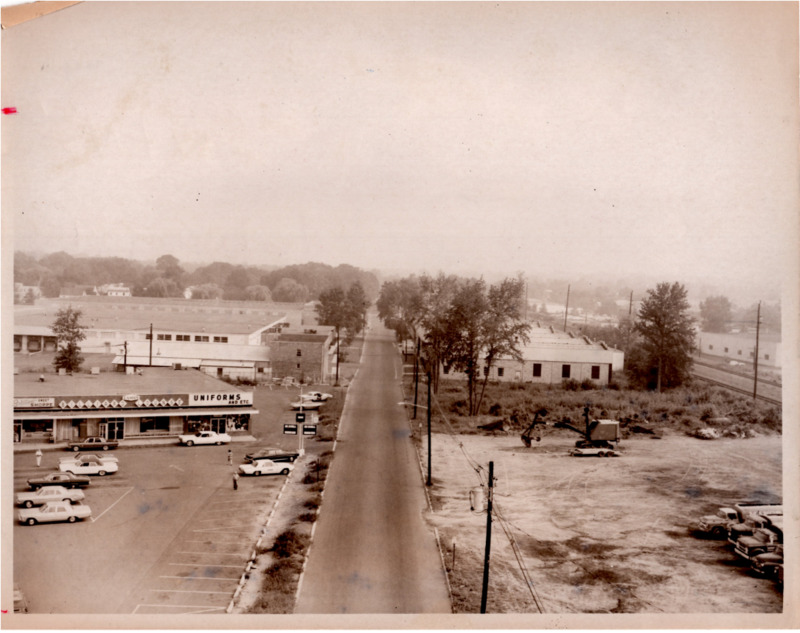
point(400, 315)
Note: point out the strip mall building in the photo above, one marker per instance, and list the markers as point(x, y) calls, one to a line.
point(154, 402)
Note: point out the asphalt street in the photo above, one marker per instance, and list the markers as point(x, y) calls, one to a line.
point(372, 551)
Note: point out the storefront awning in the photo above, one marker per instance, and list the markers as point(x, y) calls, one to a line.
point(137, 413)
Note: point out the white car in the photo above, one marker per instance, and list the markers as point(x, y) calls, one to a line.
point(48, 493)
point(307, 405)
point(316, 396)
point(54, 511)
point(81, 466)
point(266, 467)
point(90, 457)
point(204, 437)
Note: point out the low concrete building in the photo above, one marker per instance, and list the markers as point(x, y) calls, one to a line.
point(551, 357)
point(741, 347)
point(148, 403)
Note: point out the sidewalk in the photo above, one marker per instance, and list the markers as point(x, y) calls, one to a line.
point(30, 447)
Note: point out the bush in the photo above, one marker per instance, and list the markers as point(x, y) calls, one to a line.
point(587, 385)
point(289, 543)
point(571, 385)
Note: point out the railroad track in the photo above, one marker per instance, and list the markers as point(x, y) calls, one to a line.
point(746, 392)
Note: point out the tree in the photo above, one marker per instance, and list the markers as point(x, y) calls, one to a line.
point(668, 335)
point(258, 293)
point(169, 268)
point(466, 325)
point(504, 328)
point(436, 297)
point(206, 291)
point(345, 311)
point(289, 291)
point(69, 333)
point(715, 314)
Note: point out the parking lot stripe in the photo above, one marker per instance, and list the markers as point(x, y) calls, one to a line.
point(226, 593)
point(236, 580)
point(196, 565)
point(212, 554)
point(97, 518)
point(196, 609)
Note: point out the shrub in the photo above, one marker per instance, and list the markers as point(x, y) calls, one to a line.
point(571, 385)
point(587, 385)
point(289, 543)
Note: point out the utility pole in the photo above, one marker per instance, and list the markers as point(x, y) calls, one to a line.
point(337, 356)
point(428, 482)
point(125, 360)
point(630, 305)
point(566, 309)
point(416, 380)
point(150, 362)
point(755, 360)
point(485, 590)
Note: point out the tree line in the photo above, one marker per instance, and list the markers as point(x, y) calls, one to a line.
point(166, 277)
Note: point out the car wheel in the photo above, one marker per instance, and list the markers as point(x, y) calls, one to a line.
point(105, 448)
point(71, 519)
point(29, 504)
point(218, 443)
point(257, 473)
point(102, 473)
point(31, 521)
point(285, 471)
point(75, 449)
point(718, 531)
point(190, 443)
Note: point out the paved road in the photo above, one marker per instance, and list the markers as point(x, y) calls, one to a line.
point(372, 551)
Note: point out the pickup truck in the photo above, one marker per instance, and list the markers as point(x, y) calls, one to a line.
point(91, 443)
point(752, 517)
point(768, 564)
point(766, 538)
point(717, 525)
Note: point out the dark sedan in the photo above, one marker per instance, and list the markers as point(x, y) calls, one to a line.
point(68, 480)
point(275, 454)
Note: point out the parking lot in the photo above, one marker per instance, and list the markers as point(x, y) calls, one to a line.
point(167, 533)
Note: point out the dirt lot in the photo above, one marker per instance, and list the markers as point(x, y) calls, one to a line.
point(600, 535)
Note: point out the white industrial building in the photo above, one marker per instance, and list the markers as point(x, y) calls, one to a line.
point(551, 357)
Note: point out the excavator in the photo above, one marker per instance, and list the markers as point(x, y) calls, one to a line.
point(596, 440)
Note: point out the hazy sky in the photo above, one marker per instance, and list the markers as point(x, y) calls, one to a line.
point(548, 137)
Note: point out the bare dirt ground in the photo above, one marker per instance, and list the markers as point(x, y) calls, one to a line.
point(600, 535)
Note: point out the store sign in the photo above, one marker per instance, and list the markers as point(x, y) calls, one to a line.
point(290, 429)
point(131, 397)
point(237, 398)
point(34, 403)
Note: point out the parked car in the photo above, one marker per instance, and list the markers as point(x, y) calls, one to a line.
point(48, 493)
point(316, 396)
point(54, 511)
point(275, 454)
point(68, 480)
point(105, 459)
point(81, 466)
point(266, 467)
point(307, 405)
point(91, 443)
point(204, 437)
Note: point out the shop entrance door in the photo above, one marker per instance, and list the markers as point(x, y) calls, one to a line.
point(218, 425)
point(116, 430)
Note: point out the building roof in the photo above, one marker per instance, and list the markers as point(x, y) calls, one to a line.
point(151, 380)
point(137, 313)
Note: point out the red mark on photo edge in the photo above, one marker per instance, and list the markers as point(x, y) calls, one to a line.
point(9, 110)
